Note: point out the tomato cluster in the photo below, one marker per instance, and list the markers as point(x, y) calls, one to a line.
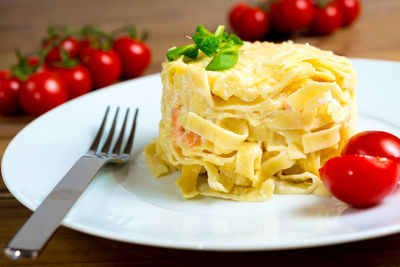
point(367, 171)
point(286, 17)
point(69, 64)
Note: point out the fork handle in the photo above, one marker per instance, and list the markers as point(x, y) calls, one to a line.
point(38, 229)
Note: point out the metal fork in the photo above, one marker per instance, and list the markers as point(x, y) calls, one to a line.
point(38, 229)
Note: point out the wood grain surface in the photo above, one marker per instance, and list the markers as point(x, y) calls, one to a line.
point(23, 24)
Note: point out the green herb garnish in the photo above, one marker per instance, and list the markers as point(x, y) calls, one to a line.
point(226, 57)
point(223, 47)
point(206, 41)
point(190, 51)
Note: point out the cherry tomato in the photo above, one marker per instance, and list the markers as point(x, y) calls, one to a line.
point(4, 74)
point(134, 54)
point(85, 52)
point(359, 180)
point(33, 61)
point(252, 24)
point(85, 48)
point(291, 15)
point(235, 14)
point(9, 87)
point(277, 25)
point(69, 44)
point(41, 92)
point(84, 44)
point(350, 10)
point(77, 80)
point(104, 66)
point(374, 143)
point(326, 20)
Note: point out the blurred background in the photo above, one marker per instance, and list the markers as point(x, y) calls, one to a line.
point(352, 28)
point(23, 24)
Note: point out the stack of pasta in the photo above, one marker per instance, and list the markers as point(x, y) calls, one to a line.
point(264, 126)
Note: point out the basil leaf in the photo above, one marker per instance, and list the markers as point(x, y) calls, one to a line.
point(229, 44)
point(190, 51)
point(206, 41)
point(201, 30)
point(236, 39)
point(224, 48)
point(226, 57)
point(224, 60)
point(224, 36)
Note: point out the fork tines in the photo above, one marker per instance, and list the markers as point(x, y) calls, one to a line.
point(116, 151)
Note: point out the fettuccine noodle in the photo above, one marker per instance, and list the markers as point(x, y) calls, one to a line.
point(264, 126)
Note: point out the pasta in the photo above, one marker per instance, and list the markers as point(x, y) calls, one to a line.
point(264, 126)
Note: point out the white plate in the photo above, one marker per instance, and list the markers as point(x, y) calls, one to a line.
point(129, 205)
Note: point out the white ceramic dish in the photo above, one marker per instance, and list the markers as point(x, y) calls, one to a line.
point(129, 205)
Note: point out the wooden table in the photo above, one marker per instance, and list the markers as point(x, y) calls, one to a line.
point(23, 24)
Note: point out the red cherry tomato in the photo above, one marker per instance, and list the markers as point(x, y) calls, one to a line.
point(374, 143)
point(326, 20)
point(69, 45)
point(135, 56)
point(358, 180)
point(235, 14)
point(104, 66)
point(4, 74)
point(33, 61)
point(77, 80)
point(85, 52)
point(85, 48)
point(252, 24)
point(350, 10)
point(277, 25)
point(41, 92)
point(291, 15)
point(9, 87)
point(84, 44)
